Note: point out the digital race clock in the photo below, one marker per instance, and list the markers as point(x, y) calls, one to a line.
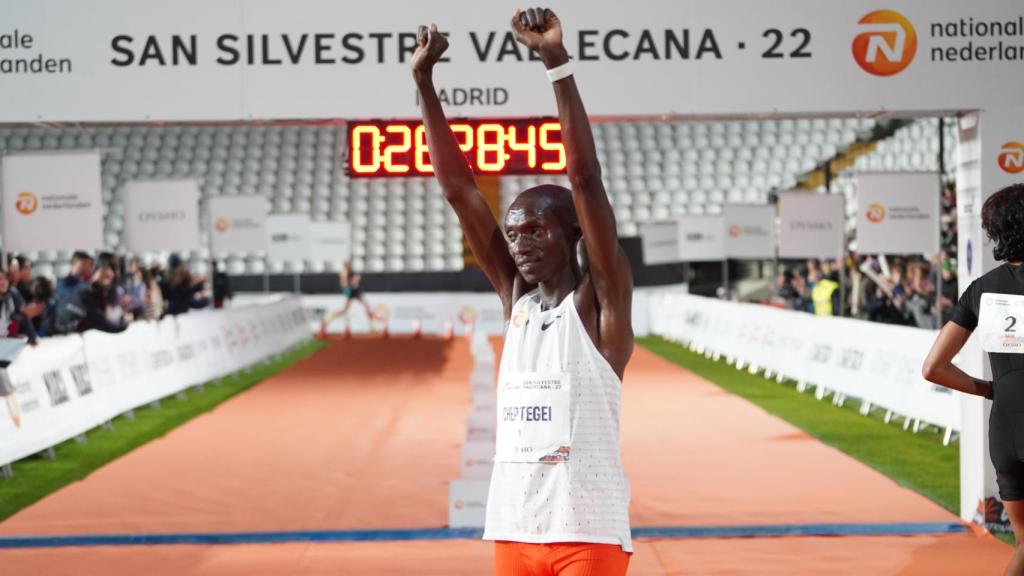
point(399, 148)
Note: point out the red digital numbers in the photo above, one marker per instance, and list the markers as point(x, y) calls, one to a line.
point(531, 146)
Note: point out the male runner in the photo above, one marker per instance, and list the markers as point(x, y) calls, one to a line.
point(350, 288)
point(559, 498)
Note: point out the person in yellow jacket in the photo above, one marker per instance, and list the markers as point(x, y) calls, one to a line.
point(825, 296)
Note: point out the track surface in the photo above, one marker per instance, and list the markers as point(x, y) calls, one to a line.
point(365, 436)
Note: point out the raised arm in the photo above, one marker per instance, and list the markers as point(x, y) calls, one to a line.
point(456, 177)
point(541, 31)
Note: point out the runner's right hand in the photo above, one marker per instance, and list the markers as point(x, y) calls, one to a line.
point(431, 46)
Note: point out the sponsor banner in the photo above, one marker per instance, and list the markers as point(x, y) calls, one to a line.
point(161, 215)
point(55, 398)
point(330, 241)
point(749, 231)
point(878, 363)
point(481, 420)
point(660, 242)
point(237, 224)
point(196, 60)
point(701, 238)
point(898, 213)
point(52, 201)
point(288, 237)
point(810, 225)
point(477, 460)
point(467, 503)
point(67, 385)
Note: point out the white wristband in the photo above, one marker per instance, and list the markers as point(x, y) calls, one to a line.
point(558, 72)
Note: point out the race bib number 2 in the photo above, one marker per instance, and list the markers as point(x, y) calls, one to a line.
point(533, 418)
point(999, 323)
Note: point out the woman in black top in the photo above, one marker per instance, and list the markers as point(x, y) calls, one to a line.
point(1002, 218)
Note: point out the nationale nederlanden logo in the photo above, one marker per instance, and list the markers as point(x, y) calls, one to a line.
point(876, 213)
point(26, 203)
point(735, 230)
point(887, 43)
point(222, 225)
point(1011, 158)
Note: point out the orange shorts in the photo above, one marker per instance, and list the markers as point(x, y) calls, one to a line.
point(560, 559)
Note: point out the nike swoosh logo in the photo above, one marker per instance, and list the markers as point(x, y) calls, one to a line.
point(546, 325)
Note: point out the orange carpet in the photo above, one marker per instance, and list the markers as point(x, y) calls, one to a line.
point(365, 435)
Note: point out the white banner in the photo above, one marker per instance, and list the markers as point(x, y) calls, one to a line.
point(432, 311)
point(68, 385)
point(237, 224)
point(477, 459)
point(660, 242)
point(701, 238)
point(198, 60)
point(161, 215)
point(52, 201)
point(331, 241)
point(405, 311)
point(467, 503)
point(879, 363)
point(288, 237)
point(54, 395)
point(749, 231)
point(810, 225)
point(898, 213)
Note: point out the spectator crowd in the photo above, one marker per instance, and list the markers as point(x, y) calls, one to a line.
point(907, 291)
point(913, 291)
point(104, 292)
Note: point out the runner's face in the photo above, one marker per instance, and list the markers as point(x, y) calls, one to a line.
point(536, 242)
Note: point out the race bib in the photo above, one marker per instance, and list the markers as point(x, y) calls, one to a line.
point(533, 418)
point(999, 323)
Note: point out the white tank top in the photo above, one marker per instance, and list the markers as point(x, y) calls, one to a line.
point(584, 498)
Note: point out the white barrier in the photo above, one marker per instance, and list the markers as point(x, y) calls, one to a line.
point(430, 311)
point(467, 495)
point(877, 363)
point(70, 384)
